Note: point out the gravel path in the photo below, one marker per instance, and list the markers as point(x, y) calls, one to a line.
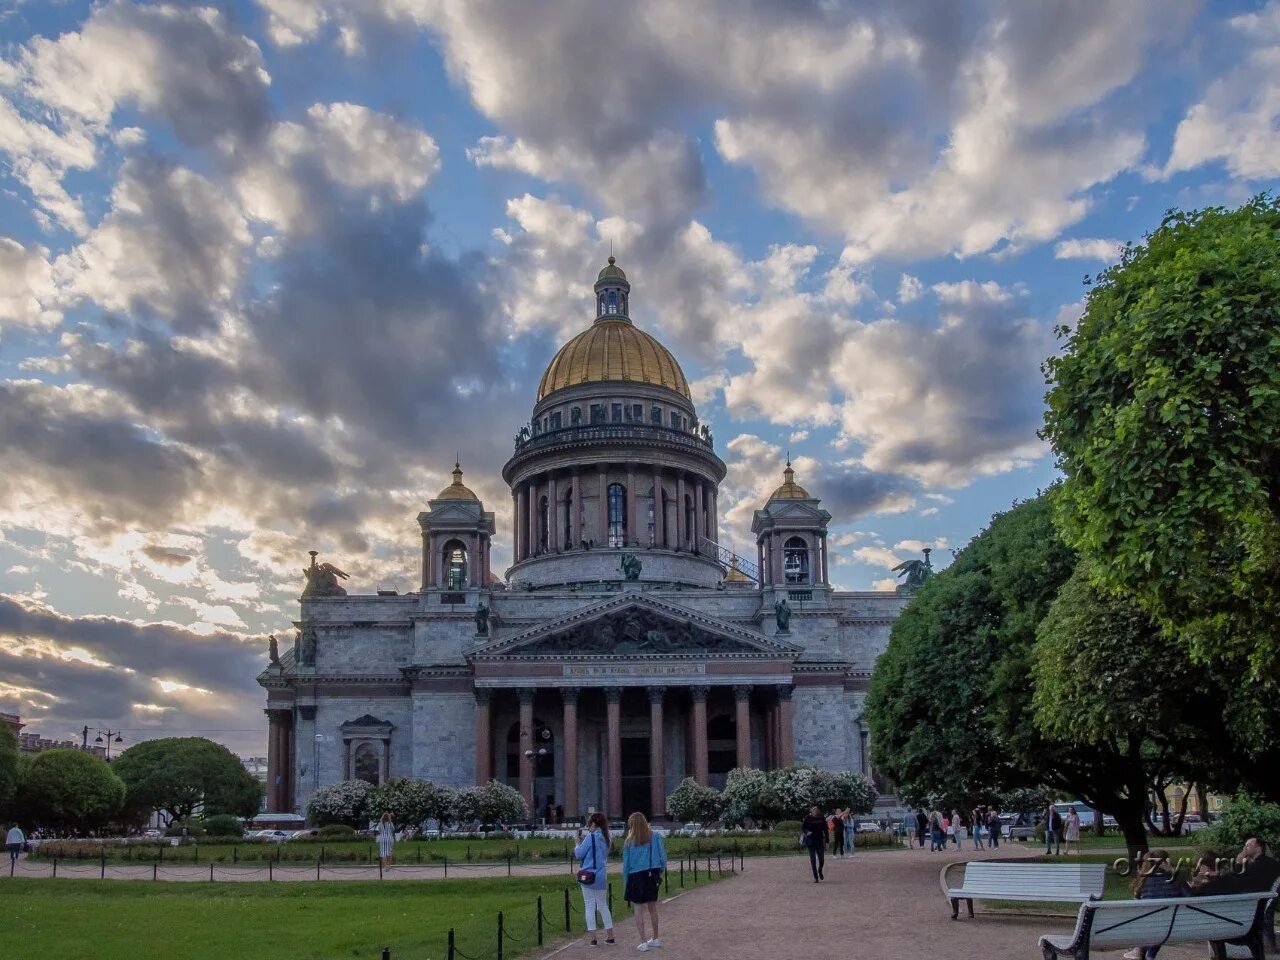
point(880, 906)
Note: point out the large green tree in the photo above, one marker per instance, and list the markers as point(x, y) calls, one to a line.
point(1164, 409)
point(9, 761)
point(180, 775)
point(68, 790)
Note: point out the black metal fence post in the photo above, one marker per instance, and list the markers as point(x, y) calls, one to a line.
point(103, 875)
point(386, 953)
point(508, 865)
point(55, 866)
point(611, 896)
point(567, 928)
point(682, 873)
point(539, 919)
point(719, 865)
point(500, 934)
point(379, 868)
point(450, 955)
point(318, 866)
point(270, 873)
point(695, 871)
point(154, 871)
point(211, 871)
point(446, 866)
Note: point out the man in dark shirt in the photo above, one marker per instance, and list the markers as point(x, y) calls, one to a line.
point(814, 832)
point(1255, 872)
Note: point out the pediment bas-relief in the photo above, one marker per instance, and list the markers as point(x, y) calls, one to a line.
point(632, 632)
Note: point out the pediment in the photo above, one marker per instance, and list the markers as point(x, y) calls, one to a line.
point(444, 510)
point(366, 724)
point(635, 626)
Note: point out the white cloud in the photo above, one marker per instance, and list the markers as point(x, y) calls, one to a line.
point(909, 288)
point(1237, 121)
point(877, 557)
point(26, 286)
point(916, 546)
point(1108, 251)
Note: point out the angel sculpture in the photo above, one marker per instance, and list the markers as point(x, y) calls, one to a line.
point(914, 572)
point(322, 579)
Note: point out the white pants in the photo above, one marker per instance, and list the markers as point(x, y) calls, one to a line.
point(593, 900)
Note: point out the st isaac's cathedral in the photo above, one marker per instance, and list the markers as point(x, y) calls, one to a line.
point(624, 650)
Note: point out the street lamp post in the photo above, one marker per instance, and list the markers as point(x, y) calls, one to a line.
point(106, 737)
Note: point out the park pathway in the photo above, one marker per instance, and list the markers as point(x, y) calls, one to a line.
point(879, 906)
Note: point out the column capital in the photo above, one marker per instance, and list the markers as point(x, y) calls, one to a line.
point(657, 695)
point(526, 695)
point(699, 693)
point(307, 712)
point(570, 694)
point(276, 714)
point(785, 690)
point(613, 694)
point(483, 695)
point(742, 691)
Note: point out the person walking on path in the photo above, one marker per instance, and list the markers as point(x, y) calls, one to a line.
point(977, 828)
point(937, 830)
point(922, 827)
point(14, 840)
point(386, 839)
point(1156, 880)
point(837, 835)
point(993, 828)
point(813, 834)
point(850, 830)
point(643, 860)
point(1052, 830)
point(592, 852)
point(1071, 831)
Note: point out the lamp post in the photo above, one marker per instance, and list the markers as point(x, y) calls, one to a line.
point(105, 737)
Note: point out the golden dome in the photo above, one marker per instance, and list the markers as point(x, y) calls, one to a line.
point(457, 490)
point(790, 490)
point(735, 575)
point(613, 349)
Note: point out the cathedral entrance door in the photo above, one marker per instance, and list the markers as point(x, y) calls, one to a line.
point(635, 774)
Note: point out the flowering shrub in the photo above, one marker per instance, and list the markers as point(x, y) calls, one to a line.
point(493, 803)
point(345, 802)
point(692, 801)
point(410, 802)
point(763, 796)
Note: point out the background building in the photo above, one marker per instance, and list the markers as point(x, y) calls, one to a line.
point(626, 648)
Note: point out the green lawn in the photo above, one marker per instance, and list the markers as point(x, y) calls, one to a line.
point(127, 920)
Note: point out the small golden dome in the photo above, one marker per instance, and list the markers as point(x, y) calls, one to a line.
point(611, 271)
point(735, 575)
point(457, 490)
point(790, 490)
point(613, 349)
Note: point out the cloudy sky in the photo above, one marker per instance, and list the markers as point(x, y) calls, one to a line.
point(265, 266)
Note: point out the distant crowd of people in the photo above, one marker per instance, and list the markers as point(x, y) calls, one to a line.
point(980, 824)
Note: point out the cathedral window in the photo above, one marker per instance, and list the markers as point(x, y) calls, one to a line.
point(655, 416)
point(617, 515)
point(368, 765)
point(597, 413)
point(615, 413)
point(795, 560)
point(455, 565)
point(555, 421)
point(637, 412)
point(575, 416)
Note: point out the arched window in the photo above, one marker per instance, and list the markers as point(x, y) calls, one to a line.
point(368, 766)
point(455, 565)
point(795, 560)
point(544, 526)
point(617, 515)
point(568, 518)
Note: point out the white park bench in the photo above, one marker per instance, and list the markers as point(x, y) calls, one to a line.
point(1056, 882)
point(1119, 924)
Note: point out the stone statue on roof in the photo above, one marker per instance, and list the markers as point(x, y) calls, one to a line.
point(322, 579)
point(914, 572)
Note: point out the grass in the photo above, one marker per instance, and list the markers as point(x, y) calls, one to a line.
point(491, 850)
point(138, 920)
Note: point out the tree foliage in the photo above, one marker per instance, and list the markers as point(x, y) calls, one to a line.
point(1244, 816)
point(346, 802)
point(767, 796)
point(692, 802)
point(1164, 409)
point(492, 803)
point(180, 775)
point(68, 790)
point(411, 802)
point(9, 766)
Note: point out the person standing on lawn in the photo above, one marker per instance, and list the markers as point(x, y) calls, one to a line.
point(643, 860)
point(1071, 831)
point(1052, 830)
point(592, 852)
point(386, 839)
point(813, 835)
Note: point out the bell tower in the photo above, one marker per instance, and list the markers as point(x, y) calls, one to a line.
point(457, 534)
point(791, 538)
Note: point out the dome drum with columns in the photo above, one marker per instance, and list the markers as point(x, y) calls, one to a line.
point(627, 647)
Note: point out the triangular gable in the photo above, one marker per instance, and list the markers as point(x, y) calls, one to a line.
point(635, 625)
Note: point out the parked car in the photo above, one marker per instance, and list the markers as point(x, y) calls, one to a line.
point(867, 826)
point(274, 836)
point(1083, 809)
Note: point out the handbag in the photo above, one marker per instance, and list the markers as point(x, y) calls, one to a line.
point(589, 875)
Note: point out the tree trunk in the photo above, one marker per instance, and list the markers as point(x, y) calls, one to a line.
point(1098, 828)
point(1135, 833)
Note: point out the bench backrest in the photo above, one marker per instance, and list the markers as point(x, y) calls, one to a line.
point(1047, 879)
point(1127, 923)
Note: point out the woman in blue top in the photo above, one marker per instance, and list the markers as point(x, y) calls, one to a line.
point(593, 856)
point(643, 860)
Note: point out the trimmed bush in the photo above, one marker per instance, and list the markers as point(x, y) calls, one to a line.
point(223, 825)
point(787, 826)
point(337, 831)
point(1243, 817)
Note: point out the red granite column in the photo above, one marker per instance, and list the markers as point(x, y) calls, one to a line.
point(785, 735)
point(531, 546)
point(517, 542)
point(701, 764)
point(553, 514)
point(484, 738)
point(602, 527)
point(681, 533)
point(742, 724)
point(570, 695)
point(659, 510)
point(770, 758)
point(699, 516)
point(613, 723)
point(575, 512)
point(633, 506)
point(657, 756)
point(274, 776)
point(526, 748)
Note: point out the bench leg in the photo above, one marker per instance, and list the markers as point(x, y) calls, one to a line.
point(955, 908)
point(969, 902)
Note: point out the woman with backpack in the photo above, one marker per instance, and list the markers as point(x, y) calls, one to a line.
point(592, 852)
point(643, 860)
